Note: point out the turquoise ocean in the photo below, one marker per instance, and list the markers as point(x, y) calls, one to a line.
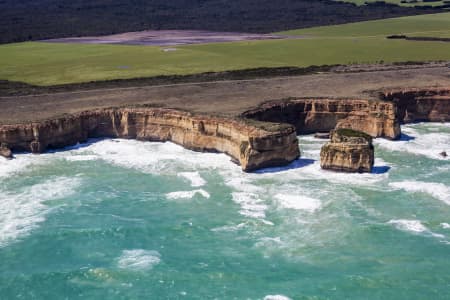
point(124, 219)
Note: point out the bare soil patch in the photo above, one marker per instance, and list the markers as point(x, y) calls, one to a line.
point(168, 38)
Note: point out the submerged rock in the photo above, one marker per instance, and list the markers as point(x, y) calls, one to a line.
point(348, 151)
point(5, 151)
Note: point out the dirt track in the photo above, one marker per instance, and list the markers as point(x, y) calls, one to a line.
point(224, 97)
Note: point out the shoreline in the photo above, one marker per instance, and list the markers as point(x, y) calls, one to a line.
point(265, 136)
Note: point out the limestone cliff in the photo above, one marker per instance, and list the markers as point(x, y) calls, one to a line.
point(376, 118)
point(348, 151)
point(262, 137)
point(250, 145)
point(415, 105)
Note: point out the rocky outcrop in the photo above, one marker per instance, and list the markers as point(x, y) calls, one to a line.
point(250, 144)
point(416, 105)
point(376, 118)
point(5, 151)
point(262, 137)
point(348, 151)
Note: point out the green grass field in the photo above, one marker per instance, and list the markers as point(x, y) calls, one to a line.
point(50, 64)
point(398, 2)
point(423, 25)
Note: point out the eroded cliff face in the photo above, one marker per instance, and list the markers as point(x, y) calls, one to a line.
point(348, 151)
point(249, 142)
point(415, 105)
point(249, 145)
point(376, 118)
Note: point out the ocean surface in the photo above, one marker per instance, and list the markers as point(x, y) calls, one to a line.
point(123, 219)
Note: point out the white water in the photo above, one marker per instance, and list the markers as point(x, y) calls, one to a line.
point(139, 259)
point(429, 144)
point(437, 190)
point(22, 212)
point(309, 225)
point(187, 194)
point(414, 226)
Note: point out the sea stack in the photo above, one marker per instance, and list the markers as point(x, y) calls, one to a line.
point(348, 151)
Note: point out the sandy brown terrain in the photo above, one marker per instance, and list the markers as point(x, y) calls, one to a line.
point(224, 97)
point(168, 38)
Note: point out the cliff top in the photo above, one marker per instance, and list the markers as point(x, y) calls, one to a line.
point(350, 135)
point(225, 98)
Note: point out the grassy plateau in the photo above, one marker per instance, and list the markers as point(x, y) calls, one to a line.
point(42, 63)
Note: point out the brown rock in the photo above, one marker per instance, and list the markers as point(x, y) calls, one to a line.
point(5, 151)
point(253, 145)
point(348, 151)
point(418, 105)
point(375, 117)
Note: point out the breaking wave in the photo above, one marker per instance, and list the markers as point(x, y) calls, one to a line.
point(22, 212)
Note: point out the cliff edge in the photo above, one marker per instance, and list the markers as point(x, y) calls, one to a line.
point(252, 145)
point(377, 118)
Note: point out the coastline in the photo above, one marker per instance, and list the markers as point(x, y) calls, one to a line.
point(237, 118)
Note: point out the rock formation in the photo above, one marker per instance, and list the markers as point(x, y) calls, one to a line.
point(375, 117)
point(261, 137)
point(416, 105)
point(348, 151)
point(5, 151)
point(252, 144)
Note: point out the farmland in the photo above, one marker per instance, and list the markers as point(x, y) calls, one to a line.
point(42, 63)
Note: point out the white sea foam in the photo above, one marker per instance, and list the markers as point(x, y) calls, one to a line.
point(427, 144)
point(19, 164)
point(251, 205)
point(308, 168)
point(311, 152)
point(187, 194)
point(139, 259)
point(22, 212)
point(194, 177)
point(444, 168)
point(315, 172)
point(445, 225)
point(81, 157)
point(242, 182)
point(437, 190)
point(310, 138)
point(276, 297)
point(409, 225)
point(298, 202)
point(154, 157)
point(414, 226)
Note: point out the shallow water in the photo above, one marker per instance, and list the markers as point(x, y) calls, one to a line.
point(120, 219)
